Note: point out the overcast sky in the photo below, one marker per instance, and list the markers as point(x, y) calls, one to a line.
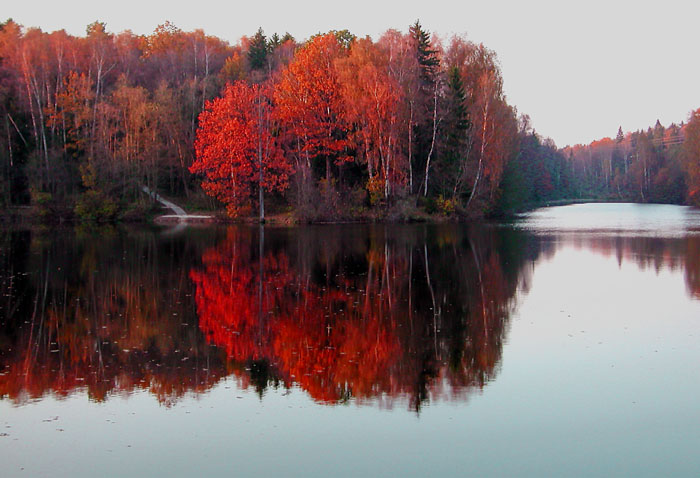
point(579, 69)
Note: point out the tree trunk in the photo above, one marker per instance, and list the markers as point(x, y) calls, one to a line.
point(432, 143)
point(481, 153)
point(410, 149)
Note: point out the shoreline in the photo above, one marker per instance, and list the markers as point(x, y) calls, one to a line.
point(30, 215)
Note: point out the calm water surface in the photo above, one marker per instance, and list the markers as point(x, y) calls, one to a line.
point(565, 344)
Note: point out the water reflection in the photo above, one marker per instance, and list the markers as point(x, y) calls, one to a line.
point(102, 312)
point(383, 315)
point(680, 254)
point(362, 313)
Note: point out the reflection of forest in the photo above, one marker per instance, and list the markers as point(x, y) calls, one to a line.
point(365, 313)
point(377, 314)
point(104, 313)
point(647, 252)
point(341, 311)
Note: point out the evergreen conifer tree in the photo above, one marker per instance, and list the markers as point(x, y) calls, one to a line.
point(455, 130)
point(426, 99)
point(274, 42)
point(426, 56)
point(258, 50)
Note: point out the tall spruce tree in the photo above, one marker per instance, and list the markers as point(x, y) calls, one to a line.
point(274, 41)
point(620, 135)
point(457, 115)
point(427, 57)
point(258, 51)
point(426, 100)
point(451, 163)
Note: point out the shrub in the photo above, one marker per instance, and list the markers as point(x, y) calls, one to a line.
point(445, 206)
point(428, 204)
point(375, 187)
point(45, 204)
point(96, 207)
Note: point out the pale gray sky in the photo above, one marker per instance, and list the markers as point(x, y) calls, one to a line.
point(579, 69)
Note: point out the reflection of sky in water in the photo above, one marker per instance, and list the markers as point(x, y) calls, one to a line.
point(643, 219)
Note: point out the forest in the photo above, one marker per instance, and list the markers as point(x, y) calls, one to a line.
point(333, 128)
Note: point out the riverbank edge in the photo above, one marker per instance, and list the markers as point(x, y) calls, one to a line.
point(31, 215)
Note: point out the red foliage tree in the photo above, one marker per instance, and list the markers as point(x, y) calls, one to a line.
point(236, 149)
point(372, 104)
point(310, 104)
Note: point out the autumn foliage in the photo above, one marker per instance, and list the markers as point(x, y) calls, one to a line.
point(309, 103)
point(236, 150)
point(333, 127)
point(373, 104)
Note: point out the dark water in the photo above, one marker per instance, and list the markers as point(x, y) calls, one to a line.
point(564, 344)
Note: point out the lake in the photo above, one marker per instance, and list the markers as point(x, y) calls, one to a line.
point(564, 343)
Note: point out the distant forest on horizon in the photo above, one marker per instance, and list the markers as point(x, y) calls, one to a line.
point(335, 127)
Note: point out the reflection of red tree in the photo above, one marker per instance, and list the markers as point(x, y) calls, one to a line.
point(356, 335)
point(379, 321)
point(486, 327)
point(315, 336)
point(336, 354)
point(228, 306)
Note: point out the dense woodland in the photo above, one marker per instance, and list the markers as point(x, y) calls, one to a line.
point(334, 127)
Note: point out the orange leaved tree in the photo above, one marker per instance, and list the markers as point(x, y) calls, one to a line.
point(372, 105)
point(237, 151)
point(310, 104)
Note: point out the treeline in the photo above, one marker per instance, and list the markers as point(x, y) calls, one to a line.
point(87, 120)
point(345, 125)
point(642, 166)
point(361, 124)
point(659, 165)
point(334, 127)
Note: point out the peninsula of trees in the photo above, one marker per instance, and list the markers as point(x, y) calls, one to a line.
point(334, 127)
